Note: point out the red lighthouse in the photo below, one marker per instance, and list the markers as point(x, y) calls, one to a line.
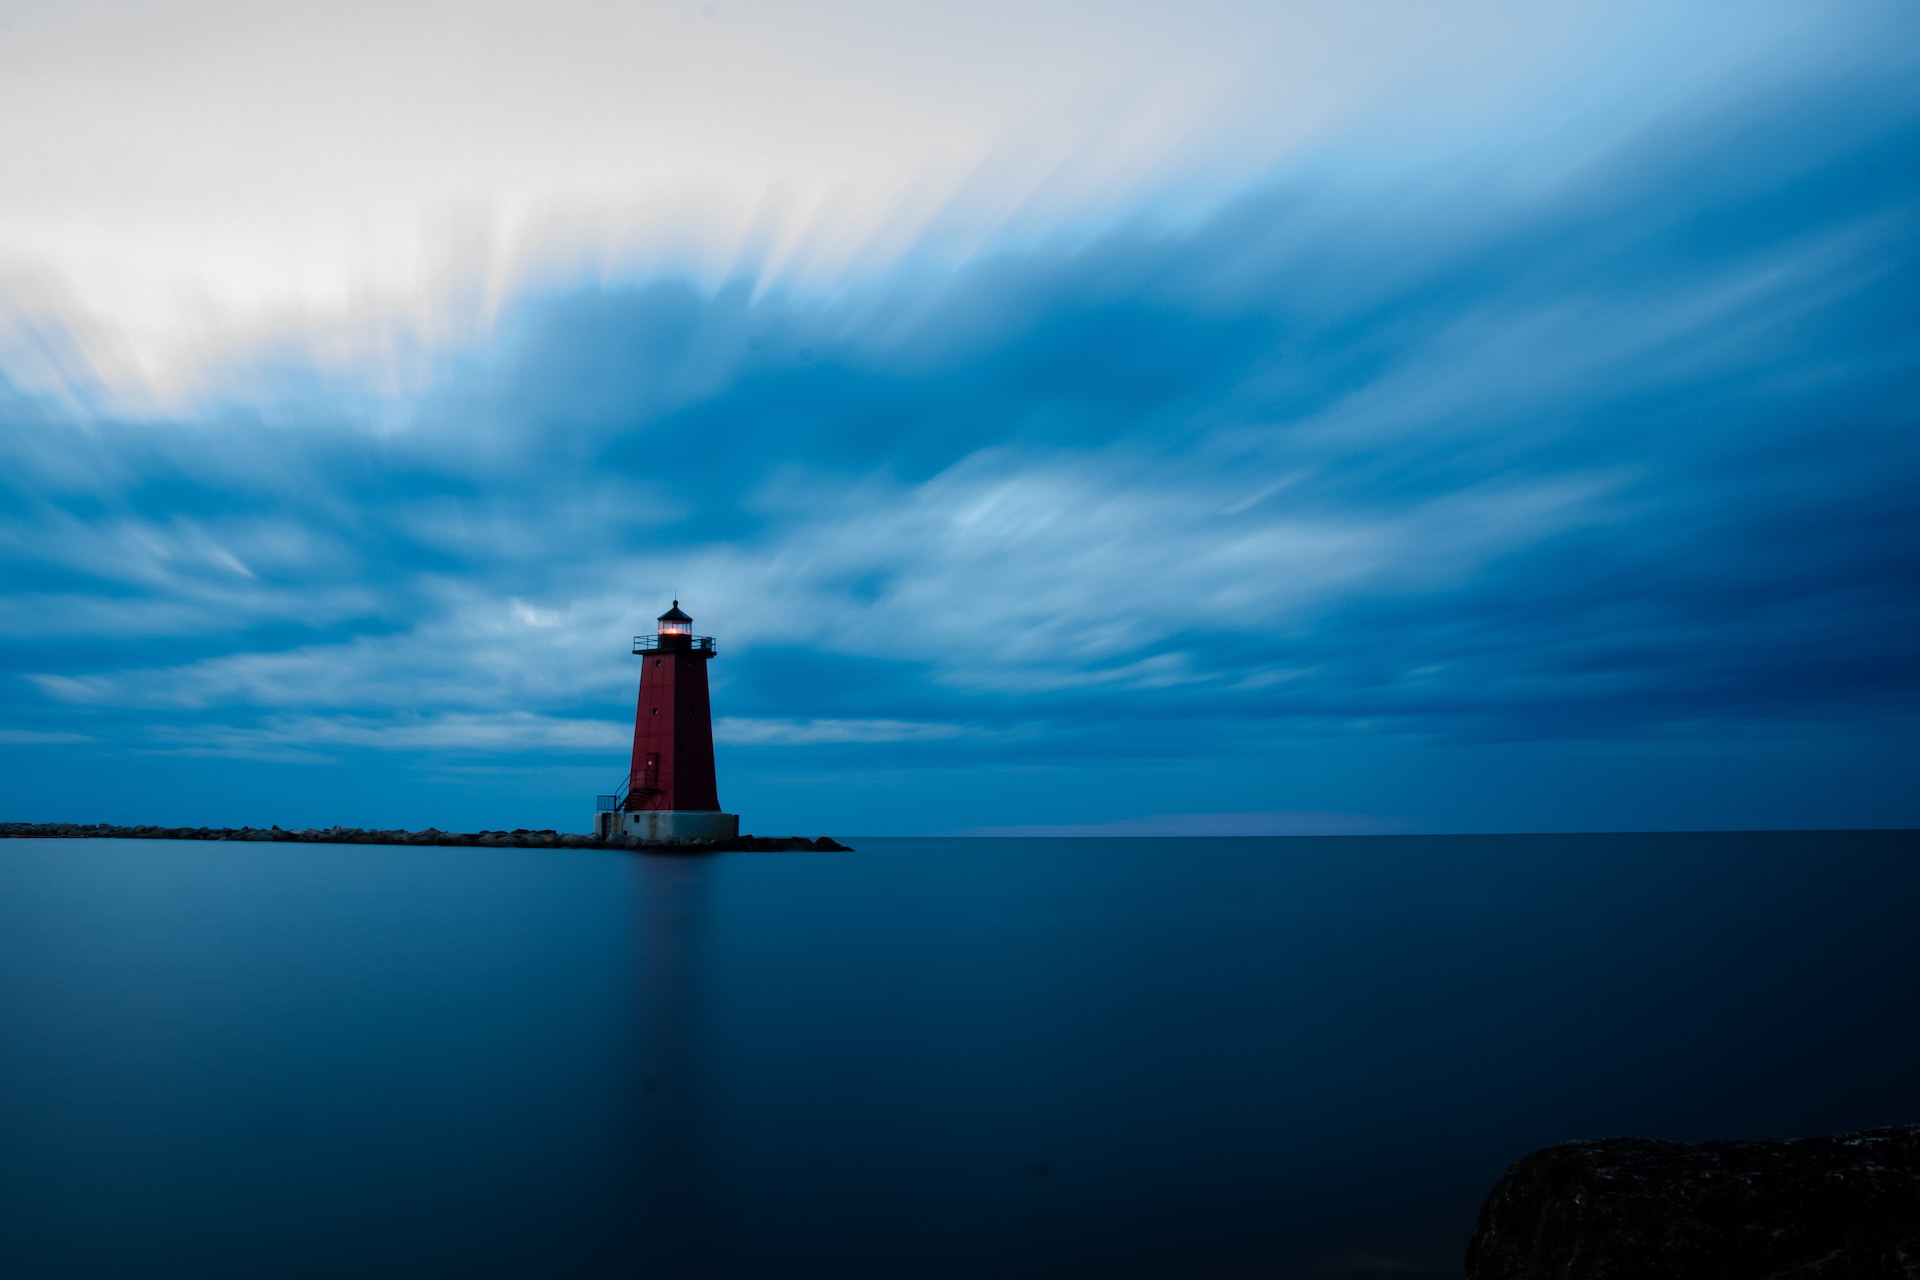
point(671, 795)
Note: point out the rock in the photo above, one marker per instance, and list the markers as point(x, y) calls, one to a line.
point(519, 837)
point(1838, 1208)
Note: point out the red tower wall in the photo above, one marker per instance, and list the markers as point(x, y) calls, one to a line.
point(673, 735)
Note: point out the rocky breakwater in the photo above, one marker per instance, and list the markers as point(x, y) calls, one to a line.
point(1839, 1208)
point(520, 838)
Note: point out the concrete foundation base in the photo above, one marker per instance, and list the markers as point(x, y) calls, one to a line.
point(668, 826)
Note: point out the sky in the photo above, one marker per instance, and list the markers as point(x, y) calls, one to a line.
point(1088, 419)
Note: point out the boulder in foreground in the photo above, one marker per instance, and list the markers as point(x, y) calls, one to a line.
point(1839, 1208)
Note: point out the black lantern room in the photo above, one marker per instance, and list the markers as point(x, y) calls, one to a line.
point(674, 622)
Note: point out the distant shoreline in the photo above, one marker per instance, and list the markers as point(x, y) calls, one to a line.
point(521, 838)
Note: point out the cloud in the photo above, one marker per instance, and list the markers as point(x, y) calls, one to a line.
point(1212, 824)
point(452, 735)
point(850, 140)
point(806, 733)
point(38, 738)
point(1619, 445)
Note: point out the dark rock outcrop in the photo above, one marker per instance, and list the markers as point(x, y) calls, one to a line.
point(1839, 1208)
point(520, 839)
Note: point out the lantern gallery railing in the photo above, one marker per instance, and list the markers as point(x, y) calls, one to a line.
point(653, 644)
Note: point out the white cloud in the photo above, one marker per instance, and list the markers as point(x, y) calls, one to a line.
point(311, 736)
point(1064, 570)
point(741, 731)
point(391, 150)
point(535, 617)
point(36, 738)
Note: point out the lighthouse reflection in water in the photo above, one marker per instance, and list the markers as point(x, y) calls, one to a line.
point(923, 1058)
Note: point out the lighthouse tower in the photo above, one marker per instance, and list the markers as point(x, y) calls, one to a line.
point(670, 796)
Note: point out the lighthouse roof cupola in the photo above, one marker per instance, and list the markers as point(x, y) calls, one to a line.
point(674, 622)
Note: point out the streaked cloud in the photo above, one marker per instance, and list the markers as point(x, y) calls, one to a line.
point(312, 737)
point(1506, 387)
point(801, 733)
point(35, 738)
point(351, 176)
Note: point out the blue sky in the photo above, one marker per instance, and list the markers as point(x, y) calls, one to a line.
point(1217, 419)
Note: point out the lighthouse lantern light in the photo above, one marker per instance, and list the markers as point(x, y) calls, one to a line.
point(674, 622)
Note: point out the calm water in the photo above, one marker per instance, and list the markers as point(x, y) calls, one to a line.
point(926, 1058)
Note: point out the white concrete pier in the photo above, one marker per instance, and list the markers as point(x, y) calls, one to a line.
point(668, 826)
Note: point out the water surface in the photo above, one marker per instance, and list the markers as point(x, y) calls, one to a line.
point(924, 1058)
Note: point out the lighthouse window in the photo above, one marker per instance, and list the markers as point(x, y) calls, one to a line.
point(656, 711)
point(656, 662)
